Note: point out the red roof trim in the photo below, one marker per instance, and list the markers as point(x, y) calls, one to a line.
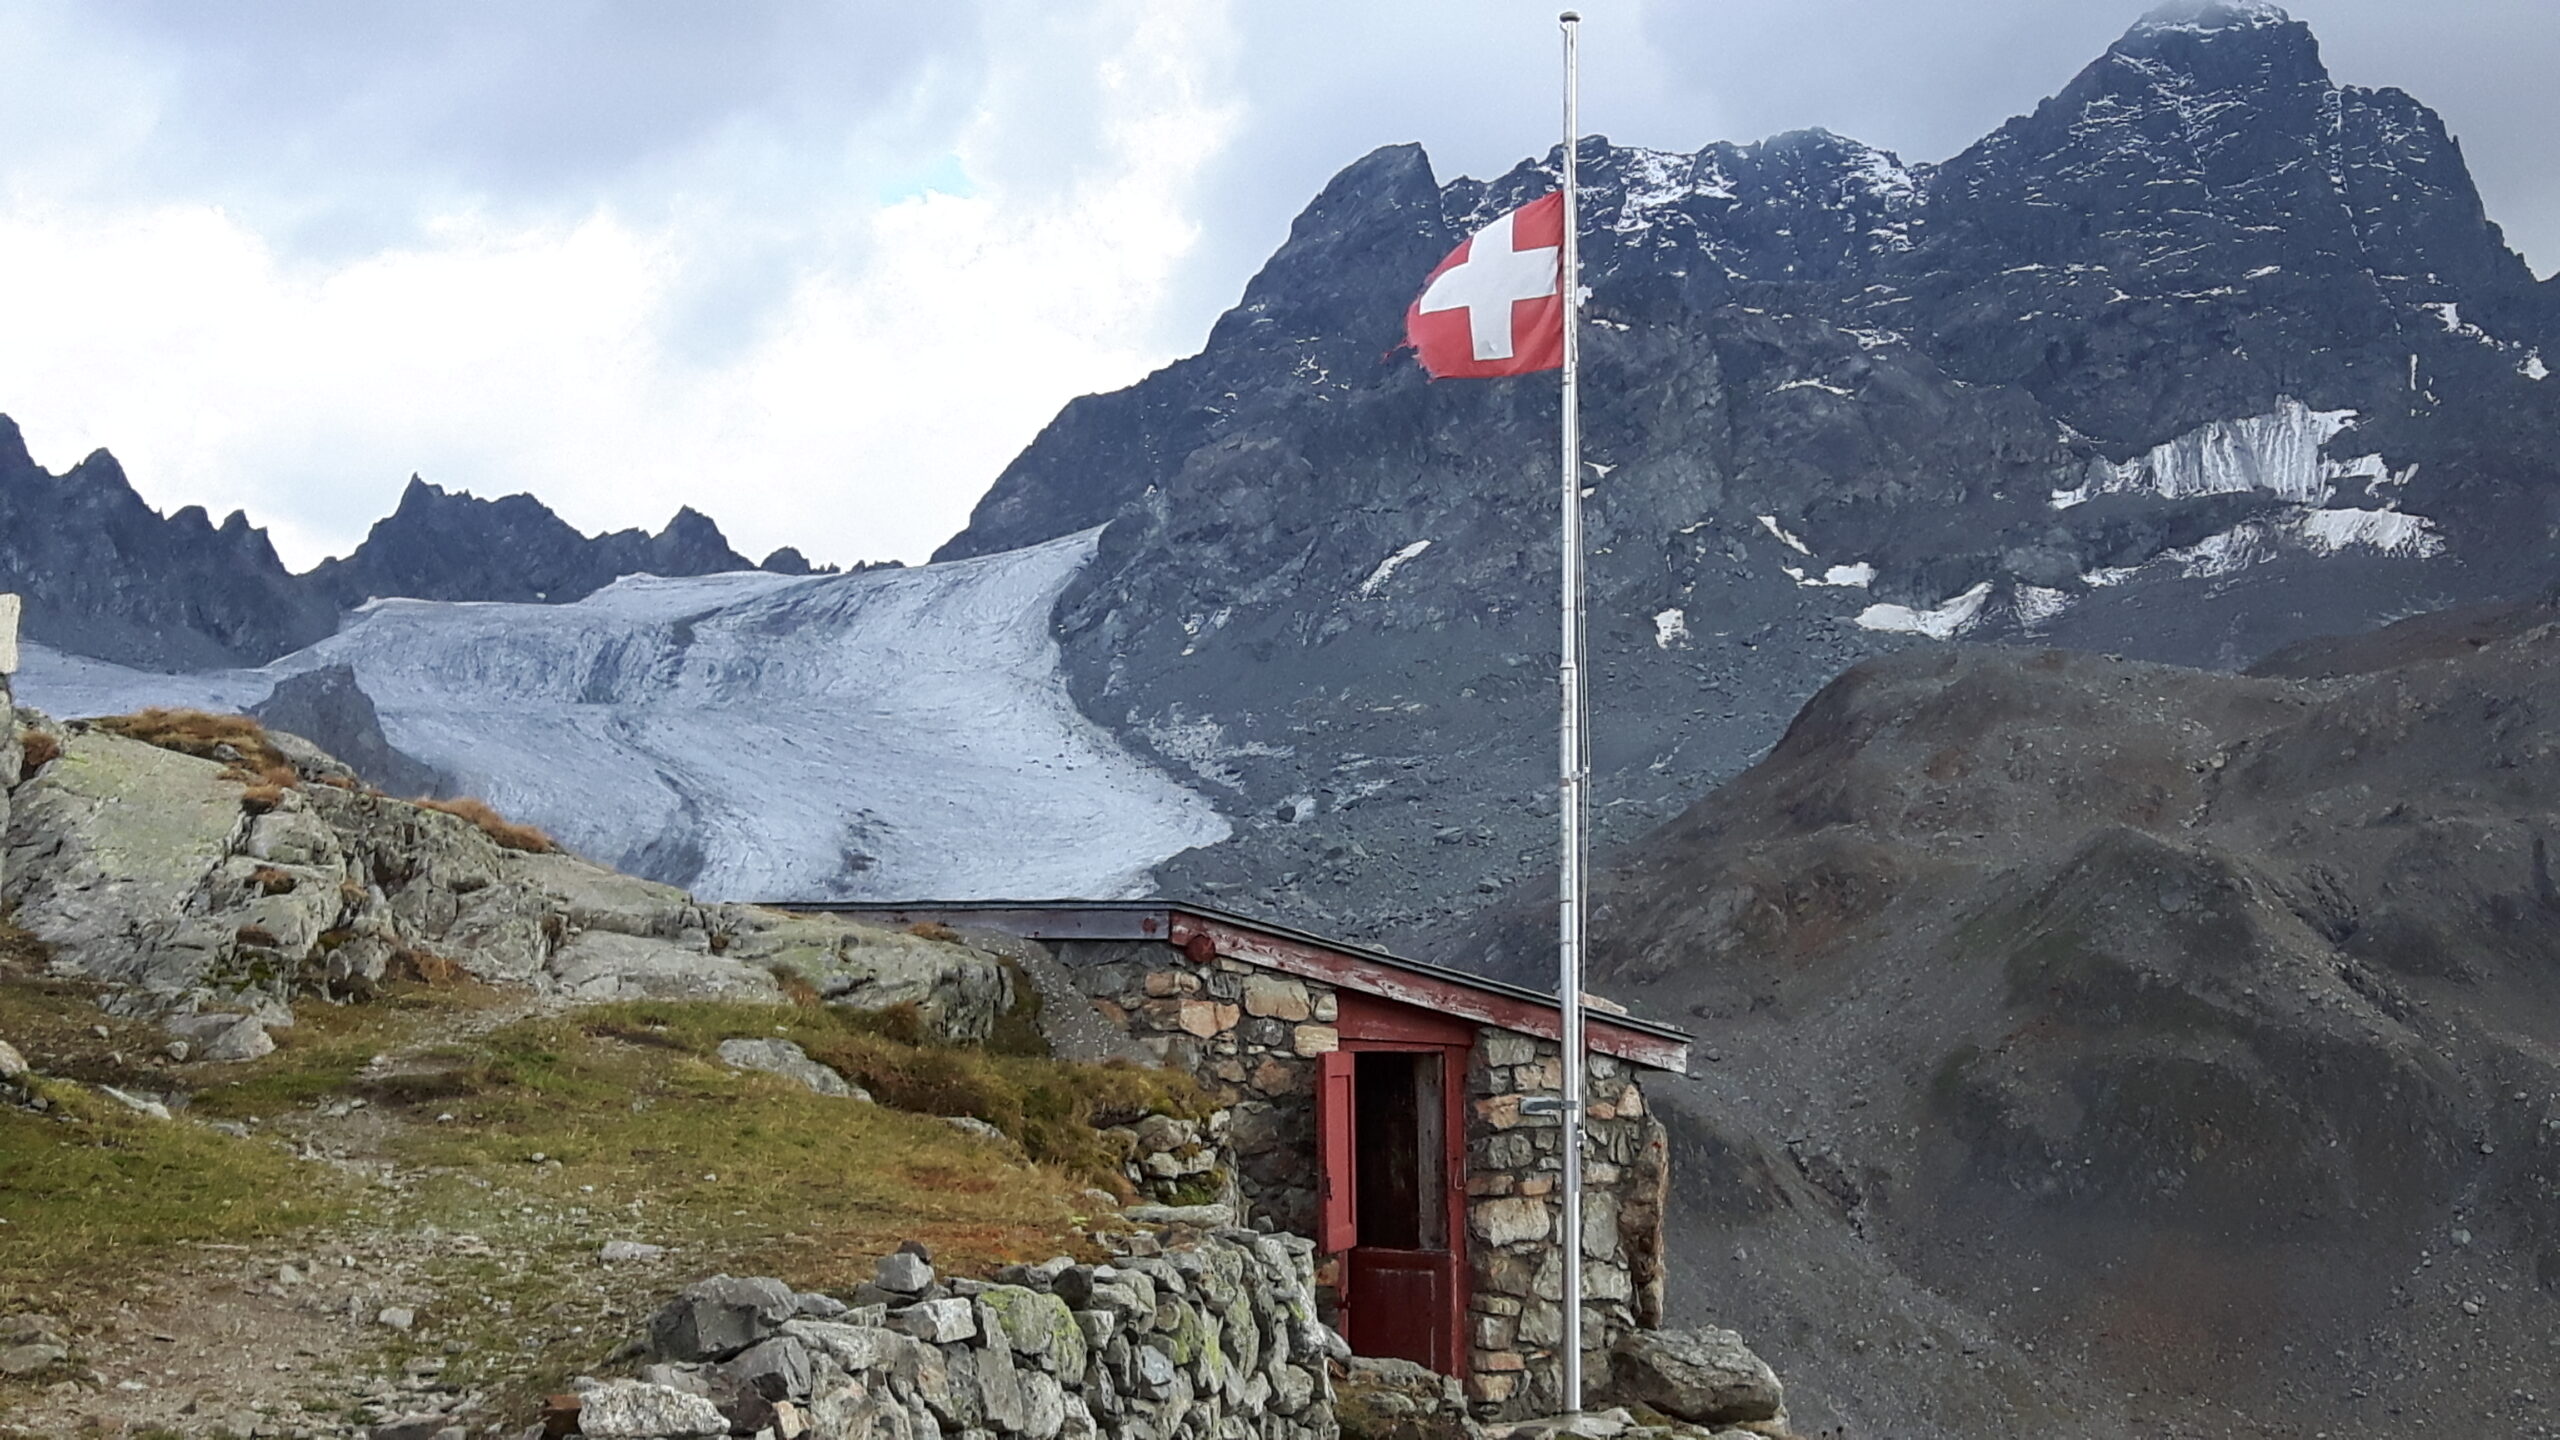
point(1370, 977)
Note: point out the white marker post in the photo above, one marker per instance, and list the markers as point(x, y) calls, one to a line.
point(1573, 797)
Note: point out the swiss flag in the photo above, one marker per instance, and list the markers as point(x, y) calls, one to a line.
point(1495, 306)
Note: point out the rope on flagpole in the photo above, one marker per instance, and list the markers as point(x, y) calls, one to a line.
point(1575, 746)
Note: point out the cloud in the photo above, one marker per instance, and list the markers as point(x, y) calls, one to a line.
point(840, 365)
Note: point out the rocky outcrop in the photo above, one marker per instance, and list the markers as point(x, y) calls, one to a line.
point(104, 574)
point(327, 707)
point(1214, 1336)
point(189, 887)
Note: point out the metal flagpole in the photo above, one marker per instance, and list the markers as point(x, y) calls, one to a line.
point(1573, 801)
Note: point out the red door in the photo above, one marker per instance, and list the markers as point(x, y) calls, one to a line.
point(1390, 1121)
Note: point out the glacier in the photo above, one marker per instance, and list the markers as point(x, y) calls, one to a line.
point(889, 734)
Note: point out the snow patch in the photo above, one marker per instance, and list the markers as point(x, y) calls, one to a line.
point(1942, 622)
point(2034, 605)
point(2278, 452)
point(1821, 385)
point(895, 733)
point(2389, 531)
point(1388, 567)
point(1670, 627)
point(1770, 524)
point(2533, 368)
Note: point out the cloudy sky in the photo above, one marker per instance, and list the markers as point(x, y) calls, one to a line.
point(819, 268)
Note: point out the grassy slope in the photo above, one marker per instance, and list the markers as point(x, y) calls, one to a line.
point(421, 1115)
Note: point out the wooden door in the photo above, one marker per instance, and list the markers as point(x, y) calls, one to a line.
point(1392, 1189)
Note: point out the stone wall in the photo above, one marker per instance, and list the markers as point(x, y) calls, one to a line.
point(1214, 1338)
point(1252, 1036)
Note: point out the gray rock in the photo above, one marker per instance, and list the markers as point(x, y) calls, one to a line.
point(937, 1322)
point(1706, 1376)
point(398, 1317)
point(775, 1369)
point(428, 1426)
point(602, 965)
point(813, 1306)
point(852, 1348)
point(781, 1057)
point(903, 1273)
point(141, 1104)
point(13, 1066)
point(1205, 1217)
point(617, 1251)
point(716, 1318)
point(222, 1038)
point(28, 1359)
point(636, 1410)
point(972, 1125)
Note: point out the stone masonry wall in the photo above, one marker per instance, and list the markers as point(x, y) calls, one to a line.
point(1252, 1036)
point(1215, 1338)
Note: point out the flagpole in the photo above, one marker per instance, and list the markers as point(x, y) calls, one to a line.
point(1573, 797)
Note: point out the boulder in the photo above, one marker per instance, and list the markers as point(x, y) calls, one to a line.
point(1706, 1376)
point(222, 1038)
point(902, 1272)
point(607, 965)
point(105, 848)
point(716, 1318)
point(781, 1057)
point(13, 1066)
point(774, 1369)
point(636, 1410)
point(957, 990)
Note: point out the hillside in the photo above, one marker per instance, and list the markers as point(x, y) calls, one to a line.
point(2179, 1043)
point(321, 1110)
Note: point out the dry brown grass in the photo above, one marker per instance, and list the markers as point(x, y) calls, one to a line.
point(236, 740)
point(507, 833)
point(40, 750)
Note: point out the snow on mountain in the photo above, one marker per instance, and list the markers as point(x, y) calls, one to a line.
point(891, 733)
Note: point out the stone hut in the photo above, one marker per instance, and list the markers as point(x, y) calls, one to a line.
point(1377, 1106)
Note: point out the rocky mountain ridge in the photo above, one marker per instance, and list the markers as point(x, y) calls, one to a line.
point(2207, 354)
point(105, 575)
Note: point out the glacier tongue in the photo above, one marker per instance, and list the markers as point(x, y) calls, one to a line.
point(897, 733)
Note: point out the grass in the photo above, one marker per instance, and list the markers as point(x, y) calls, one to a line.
point(37, 749)
point(235, 740)
point(94, 1192)
point(243, 744)
point(506, 833)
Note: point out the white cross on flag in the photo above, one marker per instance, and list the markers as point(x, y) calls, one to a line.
point(1494, 307)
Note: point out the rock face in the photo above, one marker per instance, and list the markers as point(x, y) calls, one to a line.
point(2207, 354)
point(167, 878)
point(104, 574)
point(2221, 1001)
point(328, 708)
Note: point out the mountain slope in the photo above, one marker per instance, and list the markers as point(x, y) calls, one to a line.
point(104, 574)
point(2149, 1033)
point(2206, 355)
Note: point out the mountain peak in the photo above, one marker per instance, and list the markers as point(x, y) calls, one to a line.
point(2208, 16)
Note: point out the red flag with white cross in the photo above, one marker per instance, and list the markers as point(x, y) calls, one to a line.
point(1496, 306)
